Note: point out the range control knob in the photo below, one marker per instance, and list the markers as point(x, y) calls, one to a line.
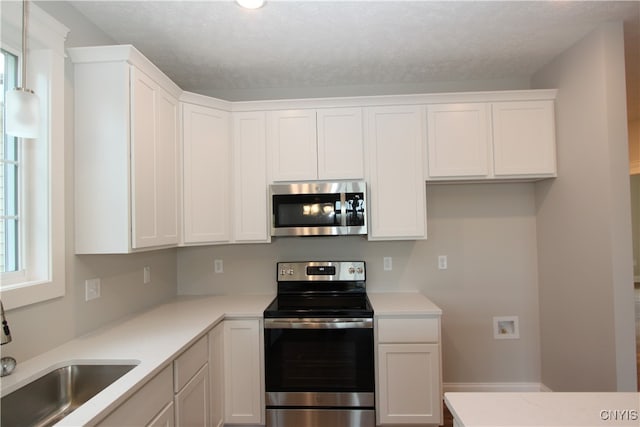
point(360, 270)
point(351, 270)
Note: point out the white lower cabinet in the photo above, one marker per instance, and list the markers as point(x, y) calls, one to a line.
point(166, 418)
point(216, 374)
point(192, 402)
point(191, 385)
point(150, 405)
point(243, 360)
point(409, 385)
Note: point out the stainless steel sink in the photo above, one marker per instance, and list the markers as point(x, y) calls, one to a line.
point(53, 396)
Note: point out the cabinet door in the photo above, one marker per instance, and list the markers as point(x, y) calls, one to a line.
point(167, 168)
point(459, 140)
point(409, 384)
point(153, 163)
point(206, 174)
point(340, 143)
point(394, 142)
point(144, 115)
point(243, 372)
point(216, 374)
point(165, 418)
point(292, 136)
point(144, 406)
point(524, 138)
point(192, 402)
point(250, 217)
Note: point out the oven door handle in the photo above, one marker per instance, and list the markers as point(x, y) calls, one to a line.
point(319, 323)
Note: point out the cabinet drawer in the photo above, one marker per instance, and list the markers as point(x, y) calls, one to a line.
point(405, 330)
point(145, 404)
point(189, 363)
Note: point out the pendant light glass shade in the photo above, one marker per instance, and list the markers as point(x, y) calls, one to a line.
point(22, 106)
point(22, 113)
point(251, 4)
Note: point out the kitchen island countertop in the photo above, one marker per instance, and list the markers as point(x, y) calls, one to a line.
point(541, 409)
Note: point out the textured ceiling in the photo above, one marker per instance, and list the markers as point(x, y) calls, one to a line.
point(215, 45)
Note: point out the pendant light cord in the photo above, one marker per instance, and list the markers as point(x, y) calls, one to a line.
point(23, 82)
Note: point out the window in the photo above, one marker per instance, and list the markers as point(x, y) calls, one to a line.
point(32, 205)
point(10, 170)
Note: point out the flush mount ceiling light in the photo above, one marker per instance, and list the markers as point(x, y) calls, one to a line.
point(251, 4)
point(22, 104)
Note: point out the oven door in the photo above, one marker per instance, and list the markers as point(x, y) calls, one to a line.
point(319, 362)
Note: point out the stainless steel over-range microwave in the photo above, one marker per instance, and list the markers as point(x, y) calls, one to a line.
point(318, 208)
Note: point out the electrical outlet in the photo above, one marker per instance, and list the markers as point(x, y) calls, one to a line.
point(442, 262)
point(218, 266)
point(91, 289)
point(146, 273)
point(387, 263)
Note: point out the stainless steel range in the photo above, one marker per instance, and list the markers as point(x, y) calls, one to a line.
point(319, 361)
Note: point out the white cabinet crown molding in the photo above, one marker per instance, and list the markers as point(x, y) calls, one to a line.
point(205, 101)
point(391, 100)
point(129, 54)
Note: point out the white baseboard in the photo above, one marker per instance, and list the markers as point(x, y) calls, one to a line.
point(494, 387)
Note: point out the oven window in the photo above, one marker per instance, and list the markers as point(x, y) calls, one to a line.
point(319, 360)
point(307, 210)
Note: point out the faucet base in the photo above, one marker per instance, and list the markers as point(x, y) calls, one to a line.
point(7, 365)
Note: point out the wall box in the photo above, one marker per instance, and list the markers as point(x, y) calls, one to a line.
point(506, 327)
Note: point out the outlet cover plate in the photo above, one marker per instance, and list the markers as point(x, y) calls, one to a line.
point(506, 328)
point(91, 289)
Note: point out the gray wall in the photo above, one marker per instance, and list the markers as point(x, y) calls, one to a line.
point(635, 220)
point(501, 239)
point(488, 232)
point(40, 327)
point(584, 225)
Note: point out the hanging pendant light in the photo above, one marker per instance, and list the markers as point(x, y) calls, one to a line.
point(22, 104)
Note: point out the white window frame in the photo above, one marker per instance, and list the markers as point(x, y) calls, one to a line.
point(43, 179)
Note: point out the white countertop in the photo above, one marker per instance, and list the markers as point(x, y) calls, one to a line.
point(402, 304)
point(153, 338)
point(544, 409)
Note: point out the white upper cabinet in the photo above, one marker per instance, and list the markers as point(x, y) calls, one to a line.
point(394, 144)
point(459, 140)
point(491, 140)
point(318, 144)
point(292, 136)
point(524, 138)
point(206, 174)
point(250, 218)
point(340, 143)
point(126, 151)
point(154, 135)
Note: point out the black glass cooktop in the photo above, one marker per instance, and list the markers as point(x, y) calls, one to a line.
point(319, 306)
